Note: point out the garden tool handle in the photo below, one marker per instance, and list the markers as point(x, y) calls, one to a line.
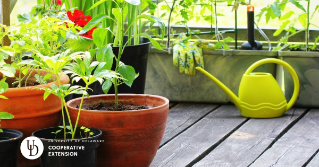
point(288, 67)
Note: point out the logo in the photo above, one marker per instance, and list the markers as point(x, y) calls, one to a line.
point(31, 147)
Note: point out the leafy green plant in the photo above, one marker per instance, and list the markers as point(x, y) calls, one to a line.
point(80, 66)
point(5, 115)
point(119, 13)
point(289, 19)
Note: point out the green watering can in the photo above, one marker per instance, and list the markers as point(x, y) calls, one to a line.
point(260, 96)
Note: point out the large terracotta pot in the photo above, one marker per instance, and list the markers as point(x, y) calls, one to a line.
point(30, 111)
point(131, 138)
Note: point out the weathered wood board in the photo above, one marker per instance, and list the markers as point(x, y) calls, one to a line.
point(199, 138)
point(249, 141)
point(296, 146)
point(184, 115)
point(314, 162)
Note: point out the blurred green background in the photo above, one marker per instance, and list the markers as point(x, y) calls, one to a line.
point(228, 20)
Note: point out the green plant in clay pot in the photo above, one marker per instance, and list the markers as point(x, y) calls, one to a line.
point(80, 66)
point(141, 112)
point(120, 13)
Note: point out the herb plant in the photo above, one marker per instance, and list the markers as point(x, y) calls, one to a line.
point(290, 18)
point(119, 13)
point(80, 66)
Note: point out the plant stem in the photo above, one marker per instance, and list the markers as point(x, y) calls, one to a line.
point(64, 104)
point(29, 73)
point(308, 23)
point(168, 24)
point(78, 117)
point(120, 33)
point(63, 120)
point(19, 86)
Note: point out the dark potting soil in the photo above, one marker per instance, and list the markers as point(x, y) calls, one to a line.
point(121, 107)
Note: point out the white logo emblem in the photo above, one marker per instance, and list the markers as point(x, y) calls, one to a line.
point(31, 147)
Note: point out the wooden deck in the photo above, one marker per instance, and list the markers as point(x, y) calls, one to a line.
point(217, 135)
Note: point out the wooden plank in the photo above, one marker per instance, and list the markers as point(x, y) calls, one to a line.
point(182, 116)
point(172, 105)
point(296, 146)
point(315, 161)
point(200, 137)
point(249, 141)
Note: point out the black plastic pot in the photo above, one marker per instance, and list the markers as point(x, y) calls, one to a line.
point(52, 156)
point(135, 56)
point(9, 146)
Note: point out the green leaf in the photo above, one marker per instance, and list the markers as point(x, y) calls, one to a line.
point(3, 97)
point(128, 73)
point(97, 4)
point(281, 28)
point(8, 70)
point(287, 15)
point(99, 36)
point(106, 86)
point(94, 22)
point(276, 9)
point(154, 19)
point(153, 41)
point(228, 39)
point(226, 47)
point(297, 4)
point(303, 20)
point(79, 44)
point(315, 44)
point(106, 55)
point(219, 44)
point(24, 18)
point(3, 87)
point(5, 115)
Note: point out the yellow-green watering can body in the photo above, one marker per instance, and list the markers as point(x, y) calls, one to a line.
point(259, 95)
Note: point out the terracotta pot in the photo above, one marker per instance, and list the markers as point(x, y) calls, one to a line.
point(30, 111)
point(131, 138)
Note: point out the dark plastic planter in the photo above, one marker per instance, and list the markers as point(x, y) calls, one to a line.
point(83, 158)
point(9, 146)
point(133, 55)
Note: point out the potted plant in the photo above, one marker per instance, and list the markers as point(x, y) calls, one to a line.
point(79, 65)
point(137, 50)
point(9, 138)
point(132, 135)
point(302, 57)
point(37, 32)
point(166, 80)
point(9, 144)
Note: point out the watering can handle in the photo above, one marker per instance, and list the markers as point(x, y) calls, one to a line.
point(288, 67)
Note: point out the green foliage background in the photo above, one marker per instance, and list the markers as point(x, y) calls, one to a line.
point(24, 6)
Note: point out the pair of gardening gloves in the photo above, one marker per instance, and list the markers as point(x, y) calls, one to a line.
point(188, 55)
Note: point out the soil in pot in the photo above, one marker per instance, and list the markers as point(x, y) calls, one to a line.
point(71, 152)
point(9, 146)
point(111, 107)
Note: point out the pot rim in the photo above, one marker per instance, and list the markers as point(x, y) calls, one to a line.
point(89, 138)
point(24, 91)
point(20, 135)
point(166, 103)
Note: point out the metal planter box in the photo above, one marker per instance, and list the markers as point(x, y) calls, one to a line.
point(164, 79)
point(306, 65)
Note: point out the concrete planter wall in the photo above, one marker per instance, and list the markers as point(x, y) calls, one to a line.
point(164, 79)
point(306, 65)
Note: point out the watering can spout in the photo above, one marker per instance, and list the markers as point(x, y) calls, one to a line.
point(228, 92)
